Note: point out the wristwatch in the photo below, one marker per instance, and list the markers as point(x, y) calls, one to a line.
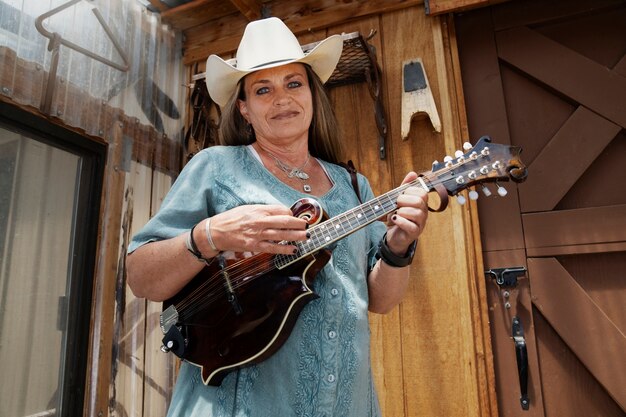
point(391, 258)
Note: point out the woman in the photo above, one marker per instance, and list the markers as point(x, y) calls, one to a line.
point(282, 145)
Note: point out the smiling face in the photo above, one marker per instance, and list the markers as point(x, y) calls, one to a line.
point(278, 104)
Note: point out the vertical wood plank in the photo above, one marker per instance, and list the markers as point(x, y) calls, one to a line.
point(485, 375)
point(101, 346)
point(355, 112)
point(130, 375)
point(160, 367)
point(438, 333)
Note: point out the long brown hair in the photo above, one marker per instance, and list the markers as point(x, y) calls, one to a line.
point(323, 133)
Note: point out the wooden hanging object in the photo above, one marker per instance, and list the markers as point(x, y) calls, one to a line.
point(417, 98)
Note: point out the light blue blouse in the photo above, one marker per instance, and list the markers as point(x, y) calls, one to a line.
point(323, 369)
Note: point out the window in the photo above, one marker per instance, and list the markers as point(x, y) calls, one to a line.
point(50, 185)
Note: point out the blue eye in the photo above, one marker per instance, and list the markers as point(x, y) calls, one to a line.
point(262, 90)
point(294, 84)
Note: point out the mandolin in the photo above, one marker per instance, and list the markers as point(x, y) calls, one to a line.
point(240, 309)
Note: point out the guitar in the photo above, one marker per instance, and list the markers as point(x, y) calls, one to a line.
point(240, 310)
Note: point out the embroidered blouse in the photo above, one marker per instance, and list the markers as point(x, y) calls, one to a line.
point(323, 369)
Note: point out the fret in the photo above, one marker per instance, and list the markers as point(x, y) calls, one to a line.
point(332, 229)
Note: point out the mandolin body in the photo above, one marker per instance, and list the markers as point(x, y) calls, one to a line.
point(226, 330)
point(222, 339)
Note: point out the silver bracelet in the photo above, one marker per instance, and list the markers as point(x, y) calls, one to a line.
point(209, 238)
point(193, 249)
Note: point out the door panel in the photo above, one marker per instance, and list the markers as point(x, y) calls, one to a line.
point(551, 77)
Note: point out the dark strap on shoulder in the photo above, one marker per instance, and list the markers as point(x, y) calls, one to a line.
point(355, 182)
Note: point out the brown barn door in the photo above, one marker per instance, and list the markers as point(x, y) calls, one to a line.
point(550, 76)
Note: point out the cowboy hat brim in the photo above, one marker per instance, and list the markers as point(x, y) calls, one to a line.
point(222, 77)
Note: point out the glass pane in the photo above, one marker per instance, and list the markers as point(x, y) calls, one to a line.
point(38, 183)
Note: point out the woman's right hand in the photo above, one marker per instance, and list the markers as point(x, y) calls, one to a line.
point(158, 270)
point(252, 228)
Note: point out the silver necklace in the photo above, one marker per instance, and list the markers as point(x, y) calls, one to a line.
point(293, 172)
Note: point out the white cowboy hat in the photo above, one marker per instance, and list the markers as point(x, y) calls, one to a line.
point(268, 43)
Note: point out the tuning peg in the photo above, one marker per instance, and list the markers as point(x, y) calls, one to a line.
point(435, 163)
point(473, 195)
point(458, 154)
point(486, 191)
point(447, 158)
point(467, 146)
point(460, 199)
point(502, 191)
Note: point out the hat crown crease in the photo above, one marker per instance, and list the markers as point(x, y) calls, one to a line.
point(264, 44)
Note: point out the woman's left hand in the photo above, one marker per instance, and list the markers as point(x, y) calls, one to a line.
point(407, 223)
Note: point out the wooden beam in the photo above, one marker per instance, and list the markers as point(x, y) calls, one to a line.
point(251, 9)
point(222, 36)
point(565, 158)
point(435, 7)
point(191, 14)
point(577, 249)
point(595, 339)
point(566, 71)
point(593, 226)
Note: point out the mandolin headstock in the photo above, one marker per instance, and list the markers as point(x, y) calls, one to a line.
point(484, 162)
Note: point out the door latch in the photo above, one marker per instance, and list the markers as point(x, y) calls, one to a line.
point(522, 361)
point(506, 277)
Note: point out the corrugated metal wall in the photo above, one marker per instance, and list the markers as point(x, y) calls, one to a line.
point(119, 78)
point(146, 84)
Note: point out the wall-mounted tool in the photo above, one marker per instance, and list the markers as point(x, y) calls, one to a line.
point(56, 40)
point(417, 98)
point(506, 278)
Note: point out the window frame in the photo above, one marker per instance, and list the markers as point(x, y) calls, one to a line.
point(85, 243)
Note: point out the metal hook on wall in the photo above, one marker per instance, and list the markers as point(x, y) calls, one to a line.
point(56, 41)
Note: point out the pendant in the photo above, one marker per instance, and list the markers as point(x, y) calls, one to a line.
point(307, 188)
point(295, 172)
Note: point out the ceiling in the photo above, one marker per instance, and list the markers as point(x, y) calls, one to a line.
point(215, 26)
point(186, 14)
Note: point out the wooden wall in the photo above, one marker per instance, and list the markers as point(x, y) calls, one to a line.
point(428, 354)
point(129, 375)
point(432, 354)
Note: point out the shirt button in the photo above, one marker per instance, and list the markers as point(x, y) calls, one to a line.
point(331, 378)
point(334, 291)
point(332, 334)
